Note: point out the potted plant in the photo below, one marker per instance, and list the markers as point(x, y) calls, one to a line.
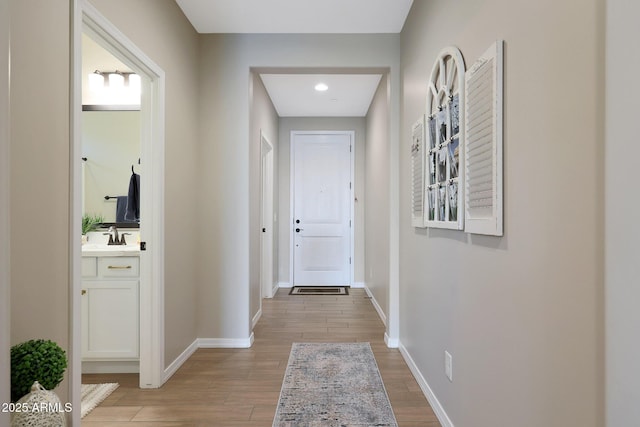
point(90, 223)
point(36, 360)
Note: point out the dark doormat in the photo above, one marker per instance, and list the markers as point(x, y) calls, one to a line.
point(319, 290)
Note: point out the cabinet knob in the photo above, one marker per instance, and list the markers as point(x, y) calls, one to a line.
point(84, 292)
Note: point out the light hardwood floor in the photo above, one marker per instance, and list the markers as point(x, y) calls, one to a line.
point(240, 387)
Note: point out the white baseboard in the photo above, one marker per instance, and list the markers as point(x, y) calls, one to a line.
point(391, 342)
point(383, 316)
point(255, 319)
point(274, 289)
point(284, 284)
point(179, 361)
point(358, 285)
point(225, 342)
point(110, 367)
point(426, 390)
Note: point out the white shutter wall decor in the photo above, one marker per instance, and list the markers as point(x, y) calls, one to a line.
point(444, 127)
point(417, 173)
point(483, 144)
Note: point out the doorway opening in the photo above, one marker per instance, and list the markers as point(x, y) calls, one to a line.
point(87, 20)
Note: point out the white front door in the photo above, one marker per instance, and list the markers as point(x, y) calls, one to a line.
point(322, 192)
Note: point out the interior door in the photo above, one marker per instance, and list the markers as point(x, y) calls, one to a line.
point(322, 208)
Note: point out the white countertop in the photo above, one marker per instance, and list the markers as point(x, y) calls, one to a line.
point(90, 249)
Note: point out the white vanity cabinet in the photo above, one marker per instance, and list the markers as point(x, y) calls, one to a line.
point(110, 308)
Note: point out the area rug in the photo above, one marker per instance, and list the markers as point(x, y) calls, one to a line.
point(91, 395)
point(331, 385)
point(319, 290)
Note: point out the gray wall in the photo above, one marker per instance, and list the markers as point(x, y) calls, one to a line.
point(39, 158)
point(288, 124)
point(522, 315)
point(621, 213)
point(170, 41)
point(377, 192)
point(263, 118)
point(5, 316)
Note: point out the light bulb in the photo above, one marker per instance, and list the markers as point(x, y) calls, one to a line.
point(96, 81)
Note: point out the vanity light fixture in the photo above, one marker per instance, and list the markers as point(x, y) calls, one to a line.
point(321, 87)
point(96, 81)
point(134, 83)
point(116, 80)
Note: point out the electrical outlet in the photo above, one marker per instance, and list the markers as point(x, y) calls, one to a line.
point(448, 365)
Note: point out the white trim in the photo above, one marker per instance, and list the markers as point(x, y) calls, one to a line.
point(179, 361)
point(225, 342)
point(352, 136)
point(75, 211)
point(426, 390)
point(276, 286)
point(381, 313)
point(358, 285)
point(256, 318)
point(110, 367)
point(284, 285)
point(5, 228)
point(391, 342)
point(88, 18)
point(267, 181)
point(393, 314)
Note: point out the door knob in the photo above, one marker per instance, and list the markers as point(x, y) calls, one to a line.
point(298, 230)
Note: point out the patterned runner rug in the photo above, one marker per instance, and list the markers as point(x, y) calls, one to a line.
point(333, 385)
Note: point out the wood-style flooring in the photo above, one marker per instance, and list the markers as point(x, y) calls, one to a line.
point(241, 387)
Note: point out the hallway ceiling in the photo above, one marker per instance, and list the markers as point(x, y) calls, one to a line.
point(349, 95)
point(293, 94)
point(296, 16)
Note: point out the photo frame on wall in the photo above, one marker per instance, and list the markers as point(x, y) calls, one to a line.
point(445, 155)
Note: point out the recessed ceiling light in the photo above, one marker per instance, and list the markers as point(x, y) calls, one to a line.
point(321, 87)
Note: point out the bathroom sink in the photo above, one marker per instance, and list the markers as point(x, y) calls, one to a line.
point(98, 249)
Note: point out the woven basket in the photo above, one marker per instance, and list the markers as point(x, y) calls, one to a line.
point(40, 408)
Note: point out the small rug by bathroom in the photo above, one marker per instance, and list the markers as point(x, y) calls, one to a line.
point(333, 385)
point(319, 290)
point(91, 395)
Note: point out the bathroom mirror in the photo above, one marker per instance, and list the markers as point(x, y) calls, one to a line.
point(111, 147)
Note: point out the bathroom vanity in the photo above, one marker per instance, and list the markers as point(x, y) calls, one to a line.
point(110, 307)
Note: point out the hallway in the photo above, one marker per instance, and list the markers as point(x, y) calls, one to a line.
point(240, 387)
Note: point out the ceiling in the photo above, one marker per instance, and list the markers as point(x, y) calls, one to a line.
point(349, 95)
point(296, 16)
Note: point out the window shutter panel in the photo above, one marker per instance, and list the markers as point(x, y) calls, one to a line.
point(483, 144)
point(417, 173)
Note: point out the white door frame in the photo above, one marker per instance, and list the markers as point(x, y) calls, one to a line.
point(351, 135)
point(266, 218)
point(86, 18)
point(5, 300)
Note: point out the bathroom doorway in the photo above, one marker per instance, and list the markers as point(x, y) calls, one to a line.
point(88, 21)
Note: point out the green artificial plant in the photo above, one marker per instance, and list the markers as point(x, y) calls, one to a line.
point(36, 360)
point(91, 222)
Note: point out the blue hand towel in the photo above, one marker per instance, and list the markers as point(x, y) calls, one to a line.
point(133, 199)
point(121, 208)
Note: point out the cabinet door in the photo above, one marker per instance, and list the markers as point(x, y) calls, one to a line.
point(110, 320)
